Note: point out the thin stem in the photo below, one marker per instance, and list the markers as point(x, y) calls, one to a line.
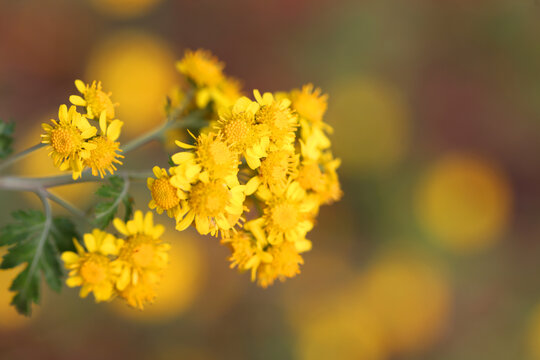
point(32, 184)
point(66, 205)
point(19, 156)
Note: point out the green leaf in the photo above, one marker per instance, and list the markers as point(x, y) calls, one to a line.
point(6, 138)
point(34, 241)
point(114, 193)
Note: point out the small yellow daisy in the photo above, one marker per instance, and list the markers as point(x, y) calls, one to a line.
point(285, 264)
point(94, 99)
point(68, 140)
point(309, 103)
point(104, 156)
point(239, 129)
point(214, 205)
point(200, 66)
point(142, 257)
point(275, 172)
point(278, 117)
point(92, 268)
point(165, 196)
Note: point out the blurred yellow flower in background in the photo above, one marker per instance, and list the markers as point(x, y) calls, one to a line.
point(127, 62)
point(464, 202)
point(182, 282)
point(372, 123)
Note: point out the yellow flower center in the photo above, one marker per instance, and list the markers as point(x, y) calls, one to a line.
point(93, 270)
point(103, 156)
point(219, 152)
point(274, 117)
point(275, 167)
point(143, 255)
point(310, 177)
point(209, 199)
point(238, 131)
point(164, 194)
point(284, 216)
point(139, 250)
point(66, 140)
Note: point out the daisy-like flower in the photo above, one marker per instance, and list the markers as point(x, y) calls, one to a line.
point(203, 68)
point(212, 154)
point(68, 140)
point(285, 263)
point(94, 99)
point(287, 216)
point(141, 260)
point(214, 205)
point(279, 119)
point(275, 172)
point(246, 252)
point(239, 129)
point(104, 156)
point(310, 176)
point(92, 268)
point(309, 103)
point(165, 196)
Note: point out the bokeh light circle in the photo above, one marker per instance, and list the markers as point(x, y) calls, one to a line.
point(372, 125)
point(464, 202)
point(138, 68)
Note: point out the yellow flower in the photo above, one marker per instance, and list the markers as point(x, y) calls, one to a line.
point(314, 140)
point(285, 263)
point(68, 140)
point(94, 99)
point(212, 154)
point(275, 172)
point(165, 196)
point(321, 178)
point(238, 126)
point(141, 260)
point(214, 205)
point(104, 156)
point(93, 269)
point(246, 252)
point(279, 119)
point(200, 66)
point(309, 103)
point(287, 215)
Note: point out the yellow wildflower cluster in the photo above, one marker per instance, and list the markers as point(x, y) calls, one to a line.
point(129, 267)
point(270, 154)
point(78, 141)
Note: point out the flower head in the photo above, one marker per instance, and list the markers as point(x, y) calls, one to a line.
point(287, 216)
point(92, 268)
point(214, 205)
point(309, 103)
point(214, 156)
point(239, 129)
point(278, 117)
point(276, 171)
point(285, 263)
point(141, 260)
point(68, 139)
point(94, 99)
point(200, 66)
point(104, 156)
point(165, 196)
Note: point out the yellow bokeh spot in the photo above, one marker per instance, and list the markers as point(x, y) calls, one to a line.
point(38, 164)
point(181, 283)
point(411, 297)
point(464, 202)
point(372, 124)
point(124, 8)
point(138, 69)
point(534, 335)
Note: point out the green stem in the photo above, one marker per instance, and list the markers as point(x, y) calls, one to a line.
point(19, 156)
point(66, 205)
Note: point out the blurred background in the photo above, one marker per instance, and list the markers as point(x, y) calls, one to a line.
point(433, 252)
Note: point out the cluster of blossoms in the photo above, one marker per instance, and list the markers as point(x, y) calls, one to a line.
point(129, 267)
point(78, 141)
point(255, 176)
